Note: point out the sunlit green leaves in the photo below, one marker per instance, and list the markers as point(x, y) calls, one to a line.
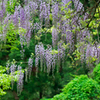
point(50, 17)
point(95, 32)
point(83, 23)
point(80, 88)
point(77, 54)
point(54, 51)
point(10, 6)
point(96, 73)
point(4, 81)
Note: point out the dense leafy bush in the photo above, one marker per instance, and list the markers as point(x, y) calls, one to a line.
point(96, 73)
point(5, 80)
point(80, 88)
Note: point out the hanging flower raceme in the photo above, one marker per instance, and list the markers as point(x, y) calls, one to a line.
point(12, 70)
point(44, 11)
point(27, 12)
point(61, 53)
point(1, 15)
point(22, 32)
point(30, 64)
point(15, 17)
point(66, 2)
point(22, 18)
point(91, 54)
point(8, 65)
point(54, 60)
point(48, 57)
point(20, 80)
point(41, 54)
point(47, 60)
point(82, 51)
point(36, 58)
point(28, 32)
point(37, 26)
point(2, 11)
point(25, 23)
point(33, 7)
point(78, 5)
point(54, 37)
point(98, 53)
point(55, 10)
point(13, 67)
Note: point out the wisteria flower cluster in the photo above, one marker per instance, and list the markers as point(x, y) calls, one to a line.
point(47, 58)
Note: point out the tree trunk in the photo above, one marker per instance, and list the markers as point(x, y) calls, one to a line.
point(40, 94)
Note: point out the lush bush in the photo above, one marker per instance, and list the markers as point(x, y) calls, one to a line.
point(5, 80)
point(80, 88)
point(96, 73)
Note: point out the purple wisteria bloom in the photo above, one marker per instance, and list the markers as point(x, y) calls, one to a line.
point(22, 18)
point(12, 70)
point(78, 5)
point(44, 11)
point(66, 2)
point(48, 57)
point(41, 54)
point(55, 10)
point(36, 58)
point(20, 80)
point(30, 64)
point(1, 15)
point(54, 59)
point(54, 37)
point(33, 7)
point(15, 17)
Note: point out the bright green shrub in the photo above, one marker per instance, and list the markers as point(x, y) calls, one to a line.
point(10, 6)
point(96, 73)
point(80, 88)
point(4, 81)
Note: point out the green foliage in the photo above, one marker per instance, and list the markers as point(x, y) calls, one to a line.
point(46, 36)
point(94, 25)
point(4, 81)
point(96, 73)
point(16, 54)
point(11, 37)
point(80, 88)
point(11, 43)
point(10, 6)
point(8, 96)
